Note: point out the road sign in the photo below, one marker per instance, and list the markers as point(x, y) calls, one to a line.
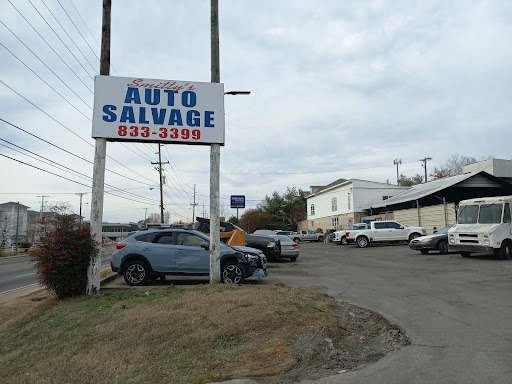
point(165, 111)
point(237, 201)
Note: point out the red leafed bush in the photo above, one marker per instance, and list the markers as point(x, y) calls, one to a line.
point(63, 256)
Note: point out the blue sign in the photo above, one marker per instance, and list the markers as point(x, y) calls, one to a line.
point(237, 201)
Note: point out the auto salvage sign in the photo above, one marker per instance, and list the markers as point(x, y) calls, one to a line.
point(166, 111)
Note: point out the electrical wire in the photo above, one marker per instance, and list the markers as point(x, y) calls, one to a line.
point(74, 181)
point(29, 23)
point(46, 65)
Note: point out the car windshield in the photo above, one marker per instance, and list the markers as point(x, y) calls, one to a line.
point(468, 214)
point(490, 213)
point(444, 230)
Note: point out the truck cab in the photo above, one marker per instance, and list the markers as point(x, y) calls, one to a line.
point(483, 226)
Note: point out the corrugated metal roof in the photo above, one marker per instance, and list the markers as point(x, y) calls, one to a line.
point(421, 190)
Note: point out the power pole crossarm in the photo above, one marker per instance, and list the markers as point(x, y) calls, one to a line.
point(424, 165)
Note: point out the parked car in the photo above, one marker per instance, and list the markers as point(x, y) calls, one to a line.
point(330, 234)
point(308, 235)
point(157, 252)
point(340, 237)
point(270, 246)
point(436, 242)
point(289, 248)
point(384, 231)
point(286, 233)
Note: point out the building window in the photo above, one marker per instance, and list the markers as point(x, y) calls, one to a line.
point(334, 204)
point(335, 221)
point(312, 209)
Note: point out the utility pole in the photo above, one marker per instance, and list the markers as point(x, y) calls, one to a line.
point(194, 204)
point(159, 169)
point(81, 194)
point(425, 165)
point(214, 154)
point(42, 206)
point(396, 162)
point(145, 217)
point(100, 153)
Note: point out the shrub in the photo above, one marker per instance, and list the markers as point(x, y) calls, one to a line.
point(24, 245)
point(63, 255)
point(319, 230)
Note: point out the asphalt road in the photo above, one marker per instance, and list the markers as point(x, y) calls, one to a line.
point(456, 311)
point(19, 272)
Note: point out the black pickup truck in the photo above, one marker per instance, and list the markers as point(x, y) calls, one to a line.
point(270, 246)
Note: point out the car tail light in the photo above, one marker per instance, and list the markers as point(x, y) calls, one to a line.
point(119, 246)
point(347, 233)
point(295, 245)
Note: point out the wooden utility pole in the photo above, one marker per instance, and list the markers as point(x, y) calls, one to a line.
point(214, 155)
point(161, 184)
point(98, 181)
point(425, 165)
point(17, 226)
point(42, 206)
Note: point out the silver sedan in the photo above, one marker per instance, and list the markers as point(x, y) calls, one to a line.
point(289, 248)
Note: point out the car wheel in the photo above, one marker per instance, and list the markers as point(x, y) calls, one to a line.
point(293, 259)
point(443, 247)
point(362, 241)
point(424, 251)
point(136, 273)
point(465, 254)
point(296, 239)
point(413, 236)
point(320, 238)
point(505, 251)
point(344, 240)
point(233, 273)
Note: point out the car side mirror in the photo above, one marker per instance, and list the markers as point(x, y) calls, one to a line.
point(205, 245)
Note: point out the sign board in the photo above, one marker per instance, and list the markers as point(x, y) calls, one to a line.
point(166, 111)
point(237, 201)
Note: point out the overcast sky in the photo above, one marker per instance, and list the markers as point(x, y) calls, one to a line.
point(339, 89)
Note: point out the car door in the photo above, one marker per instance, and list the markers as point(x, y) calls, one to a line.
point(190, 256)
point(380, 231)
point(161, 252)
point(397, 231)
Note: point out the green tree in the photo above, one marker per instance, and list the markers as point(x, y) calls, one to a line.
point(285, 210)
point(410, 181)
point(234, 220)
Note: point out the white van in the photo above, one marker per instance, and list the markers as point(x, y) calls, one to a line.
point(483, 225)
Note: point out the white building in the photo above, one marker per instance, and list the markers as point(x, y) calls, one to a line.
point(344, 202)
point(12, 216)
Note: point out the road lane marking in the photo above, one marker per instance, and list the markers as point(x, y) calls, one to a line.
point(16, 289)
point(28, 274)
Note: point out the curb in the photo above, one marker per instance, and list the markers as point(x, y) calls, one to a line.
point(108, 278)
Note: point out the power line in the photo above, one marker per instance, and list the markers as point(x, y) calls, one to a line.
point(70, 130)
point(78, 77)
point(62, 41)
point(46, 65)
point(43, 80)
point(71, 153)
point(66, 169)
point(67, 34)
point(74, 181)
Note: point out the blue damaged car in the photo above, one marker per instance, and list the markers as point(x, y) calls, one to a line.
point(157, 252)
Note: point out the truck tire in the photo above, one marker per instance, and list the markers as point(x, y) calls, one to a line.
point(362, 241)
point(320, 238)
point(412, 236)
point(505, 250)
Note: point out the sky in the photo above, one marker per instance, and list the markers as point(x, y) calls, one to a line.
point(338, 90)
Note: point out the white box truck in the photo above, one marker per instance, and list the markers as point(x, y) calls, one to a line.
point(483, 226)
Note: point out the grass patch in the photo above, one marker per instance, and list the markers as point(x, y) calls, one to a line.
point(176, 334)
